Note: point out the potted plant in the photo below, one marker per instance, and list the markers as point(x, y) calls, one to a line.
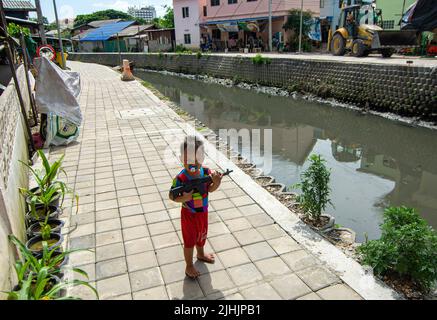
point(36, 228)
point(46, 180)
point(315, 194)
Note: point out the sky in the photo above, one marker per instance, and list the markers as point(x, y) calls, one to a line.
point(69, 8)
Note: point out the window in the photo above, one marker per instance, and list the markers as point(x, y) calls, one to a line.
point(215, 3)
point(251, 0)
point(185, 12)
point(322, 3)
point(187, 38)
point(389, 24)
point(232, 1)
point(205, 12)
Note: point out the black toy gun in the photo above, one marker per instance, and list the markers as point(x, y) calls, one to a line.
point(195, 185)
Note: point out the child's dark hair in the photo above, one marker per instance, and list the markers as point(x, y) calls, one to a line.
point(189, 142)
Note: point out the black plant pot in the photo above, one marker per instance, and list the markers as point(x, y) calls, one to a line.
point(53, 281)
point(34, 245)
point(60, 274)
point(55, 225)
point(54, 203)
point(54, 213)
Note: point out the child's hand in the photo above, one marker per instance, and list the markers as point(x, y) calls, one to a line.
point(216, 177)
point(187, 196)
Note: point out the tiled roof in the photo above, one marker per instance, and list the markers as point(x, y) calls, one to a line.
point(134, 30)
point(101, 23)
point(18, 5)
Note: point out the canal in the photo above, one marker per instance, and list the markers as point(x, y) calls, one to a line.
point(375, 162)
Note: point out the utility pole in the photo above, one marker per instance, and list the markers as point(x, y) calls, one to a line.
point(40, 22)
point(300, 28)
point(270, 26)
point(61, 47)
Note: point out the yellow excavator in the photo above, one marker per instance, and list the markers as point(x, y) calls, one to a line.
point(359, 36)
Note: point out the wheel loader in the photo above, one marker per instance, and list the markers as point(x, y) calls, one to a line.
point(360, 38)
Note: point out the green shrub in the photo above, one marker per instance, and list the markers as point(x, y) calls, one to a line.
point(315, 188)
point(408, 247)
point(259, 60)
point(198, 54)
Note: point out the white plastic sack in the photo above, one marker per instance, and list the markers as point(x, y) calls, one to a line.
point(57, 91)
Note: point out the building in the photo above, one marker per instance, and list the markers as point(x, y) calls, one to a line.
point(187, 18)
point(147, 13)
point(392, 12)
point(232, 24)
point(79, 30)
point(18, 9)
point(158, 40)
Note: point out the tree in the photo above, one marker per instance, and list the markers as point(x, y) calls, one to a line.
point(167, 20)
point(104, 15)
point(293, 24)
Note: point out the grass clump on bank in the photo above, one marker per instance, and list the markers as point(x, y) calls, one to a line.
point(259, 60)
point(406, 251)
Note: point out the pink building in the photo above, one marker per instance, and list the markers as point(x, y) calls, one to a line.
point(234, 24)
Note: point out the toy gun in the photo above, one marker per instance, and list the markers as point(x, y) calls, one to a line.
point(196, 185)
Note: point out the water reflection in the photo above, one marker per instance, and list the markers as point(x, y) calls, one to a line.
point(375, 162)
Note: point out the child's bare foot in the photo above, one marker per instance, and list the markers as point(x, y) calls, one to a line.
point(208, 258)
point(191, 272)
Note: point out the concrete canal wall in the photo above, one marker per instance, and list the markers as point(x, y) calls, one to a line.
point(405, 90)
point(13, 147)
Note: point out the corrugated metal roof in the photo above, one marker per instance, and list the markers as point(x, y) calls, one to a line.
point(101, 23)
point(107, 31)
point(18, 5)
point(134, 30)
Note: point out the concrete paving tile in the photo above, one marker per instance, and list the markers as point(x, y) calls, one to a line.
point(109, 237)
point(126, 296)
point(110, 268)
point(215, 281)
point(223, 242)
point(204, 267)
point(84, 218)
point(150, 197)
point(82, 258)
point(111, 251)
point(165, 240)
point(153, 206)
point(186, 289)
point(216, 229)
point(83, 230)
point(238, 224)
point(156, 293)
point(135, 232)
point(145, 279)
point(170, 254)
point(158, 216)
point(127, 193)
point(82, 292)
point(317, 277)
point(161, 227)
point(250, 210)
point(272, 267)
point(290, 287)
point(129, 201)
point(138, 245)
point(113, 286)
point(262, 291)
point(108, 225)
point(248, 236)
point(222, 204)
point(107, 214)
point(233, 257)
point(298, 260)
point(242, 200)
point(284, 244)
point(132, 221)
point(140, 261)
point(271, 231)
point(338, 292)
point(259, 220)
point(230, 213)
point(131, 210)
point(259, 251)
point(245, 274)
point(107, 204)
point(310, 296)
point(173, 272)
point(83, 242)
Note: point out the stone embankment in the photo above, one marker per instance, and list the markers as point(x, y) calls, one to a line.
point(406, 90)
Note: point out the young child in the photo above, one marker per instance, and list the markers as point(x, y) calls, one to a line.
point(194, 211)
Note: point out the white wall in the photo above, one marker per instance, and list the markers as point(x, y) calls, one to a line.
point(188, 25)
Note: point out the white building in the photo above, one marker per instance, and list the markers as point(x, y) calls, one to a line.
point(187, 16)
point(147, 13)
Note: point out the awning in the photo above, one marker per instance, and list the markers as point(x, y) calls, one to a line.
point(235, 21)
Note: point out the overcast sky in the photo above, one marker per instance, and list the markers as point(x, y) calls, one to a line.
point(69, 9)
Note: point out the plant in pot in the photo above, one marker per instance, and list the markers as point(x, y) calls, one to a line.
point(39, 278)
point(315, 194)
point(46, 180)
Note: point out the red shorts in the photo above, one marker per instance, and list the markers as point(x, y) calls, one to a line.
point(194, 227)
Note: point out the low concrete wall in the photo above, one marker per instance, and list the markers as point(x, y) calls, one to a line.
point(405, 90)
point(13, 147)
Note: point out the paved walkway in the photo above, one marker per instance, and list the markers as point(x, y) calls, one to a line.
point(125, 217)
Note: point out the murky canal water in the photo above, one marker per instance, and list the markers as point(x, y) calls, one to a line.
point(375, 162)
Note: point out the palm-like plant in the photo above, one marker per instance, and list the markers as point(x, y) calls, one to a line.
point(34, 274)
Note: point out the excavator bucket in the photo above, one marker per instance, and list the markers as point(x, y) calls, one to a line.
point(393, 38)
